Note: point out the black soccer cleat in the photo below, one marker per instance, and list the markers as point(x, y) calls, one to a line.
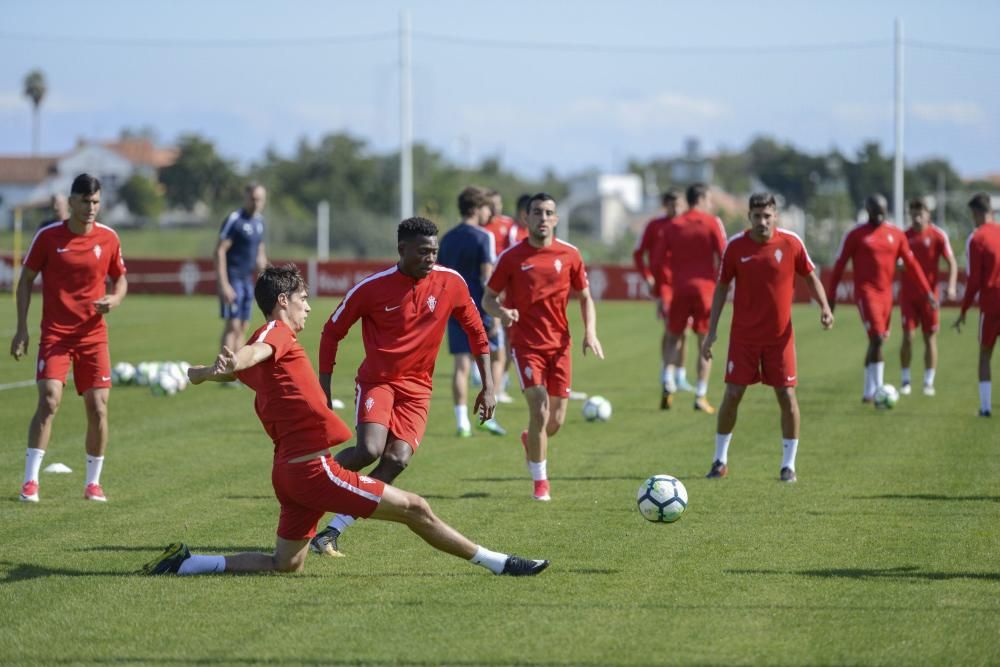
point(169, 562)
point(523, 567)
point(718, 471)
point(666, 399)
point(325, 542)
point(788, 475)
point(985, 413)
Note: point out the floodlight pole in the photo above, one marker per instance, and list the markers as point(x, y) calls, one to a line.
point(323, 231)
point(897, 175)
point(405, 119)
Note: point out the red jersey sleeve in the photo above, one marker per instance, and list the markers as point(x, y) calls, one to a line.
point(336, 328)
point(642, 248)
point(467, 314)
point(116, 267)
point(279, 337)
point(37, 253)
point(578, 274)
point(803, 263)
point(974, 273)
point(501, 273)
point(904, 253)
point(847, 248)
point(727, 267)
point(719, 237)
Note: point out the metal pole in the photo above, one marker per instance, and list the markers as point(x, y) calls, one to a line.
point(405, 119)
point(323, 231)
point(897, 180)
point(942, 195)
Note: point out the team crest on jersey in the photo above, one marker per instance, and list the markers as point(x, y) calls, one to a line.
point(432, 302)
point(778, 255)
point(97, 251)
point(889, 237)
point(927, 242)
point(369, 404)
point(558, 265)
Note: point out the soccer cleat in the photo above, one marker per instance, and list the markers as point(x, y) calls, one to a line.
point(867, 399)
point(929, 390)
point(504, 397)
point(515, 566)
point(94, 492)
point(788, 475)
point(464, 432)
point(336, 404)
point(718, 471)
point(29, 492)
point(169, 562)
point(985, 413)
point(684, 385)
point(542, 490)
point(702, 405)
point(325, 542)
point(905, 389)
point(491, 426)
point(666, 399)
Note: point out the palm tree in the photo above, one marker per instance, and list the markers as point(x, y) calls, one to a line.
point(34, 89)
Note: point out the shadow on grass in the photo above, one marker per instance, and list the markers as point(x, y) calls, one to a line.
point(927, 496)
point(197, 548)
point(464, 496)
point(559, 478)
point(270, 497)
point(901, 572)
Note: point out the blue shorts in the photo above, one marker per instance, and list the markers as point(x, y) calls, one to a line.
point(458, 342)
point(239, 309)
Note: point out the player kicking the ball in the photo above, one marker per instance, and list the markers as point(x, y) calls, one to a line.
point(763, 261)
point(307, 481)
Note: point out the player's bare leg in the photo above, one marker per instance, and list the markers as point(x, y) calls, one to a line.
point(985, 381)
point(905, 357)
point(233, 332)
point(460, 394)
point(725, 423)
point(671, 354)
point(789, 404)
point(930, 362)
point(701, 390)
point(536, 438)
point(39, 431)
point(680, 374)
point(96, 403)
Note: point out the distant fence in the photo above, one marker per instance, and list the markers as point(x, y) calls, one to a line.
point(608, 282)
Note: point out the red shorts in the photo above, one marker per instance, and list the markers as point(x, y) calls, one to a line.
point(91, 363)
point(310, 489)
point(989, 328)
point(916, 312)
point(401, 409)
point(689, 308)
point(664, 295)
point(772, 364)
point(876, 311)
point(553, 368)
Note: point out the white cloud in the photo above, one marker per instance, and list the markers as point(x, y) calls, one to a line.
point(953, 113)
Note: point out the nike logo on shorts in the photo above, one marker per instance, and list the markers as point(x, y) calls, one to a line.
point(789, 378)
point(105, 379)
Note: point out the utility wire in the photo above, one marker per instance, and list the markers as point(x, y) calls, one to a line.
point(154, 42)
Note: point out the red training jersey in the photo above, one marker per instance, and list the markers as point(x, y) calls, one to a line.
point(694, 241)
point(499, 226)
point(402, 323)
point(765, 284)
point(928, 247)
point(650, 255)
point(517, 234)
point(874, 250)
point(982, 254)
point(290, 403)
point(537, 282)
point(74, 268)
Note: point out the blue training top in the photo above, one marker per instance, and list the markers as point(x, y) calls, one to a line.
point(246, 234)
point(465, 248)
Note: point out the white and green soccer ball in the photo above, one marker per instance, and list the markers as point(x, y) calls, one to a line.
point(886, 397)
point(175, 370)
point(662, 499)
point(146, 372)
point(164, 384)
point(597, 408)
point(123, 373)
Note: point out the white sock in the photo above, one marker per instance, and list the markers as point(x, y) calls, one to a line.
point(985, 399)
point(462, 416)
point(538, 470)
point(722, 446)
point(879, 373)
point(929, 376)
point(342, 522)
point(32, 464)
point(681, 374)
point(197, 564)
point(668, 382)
point(789, 446)
point(906, 376)
point(663, 375)
point(94, 466)
point(701, 389)
point(870, 385)
point(491, 560)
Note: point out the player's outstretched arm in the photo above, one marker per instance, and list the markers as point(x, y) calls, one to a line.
point(816, 291)
point(228, 363)
point(589, 314)
point(19, 345)
point(718, 303)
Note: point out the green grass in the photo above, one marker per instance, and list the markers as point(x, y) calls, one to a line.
point(885, 553)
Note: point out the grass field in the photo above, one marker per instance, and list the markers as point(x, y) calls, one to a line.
point(887, 551)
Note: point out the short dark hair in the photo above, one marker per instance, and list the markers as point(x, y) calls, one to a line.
point(980, 203)
point(918, 203)
point(540, 196)
point(470, 199)
point(669, 197)
point(415, 227)
point(251, 186)
point(274, 281)
point(695, 192)
point(762, 200)
point(85, 184)
point(522, 202)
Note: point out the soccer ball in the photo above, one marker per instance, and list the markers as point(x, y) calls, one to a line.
point(886, 397)
point(164, 384)
point(176, 371)
point(662, 499)
point(597, 408)
point(146, 372)
point(122, 373)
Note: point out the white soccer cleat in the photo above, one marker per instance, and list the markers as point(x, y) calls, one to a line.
point(905, 389)
point(929, 390)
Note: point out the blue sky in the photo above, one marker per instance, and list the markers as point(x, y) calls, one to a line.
point(536, 104)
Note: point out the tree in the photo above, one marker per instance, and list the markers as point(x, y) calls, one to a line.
point(143, 197)
point(35, 89)
point(199, 175)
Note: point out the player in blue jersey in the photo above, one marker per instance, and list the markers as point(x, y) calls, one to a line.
point(470, 249)
point(239, 257)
